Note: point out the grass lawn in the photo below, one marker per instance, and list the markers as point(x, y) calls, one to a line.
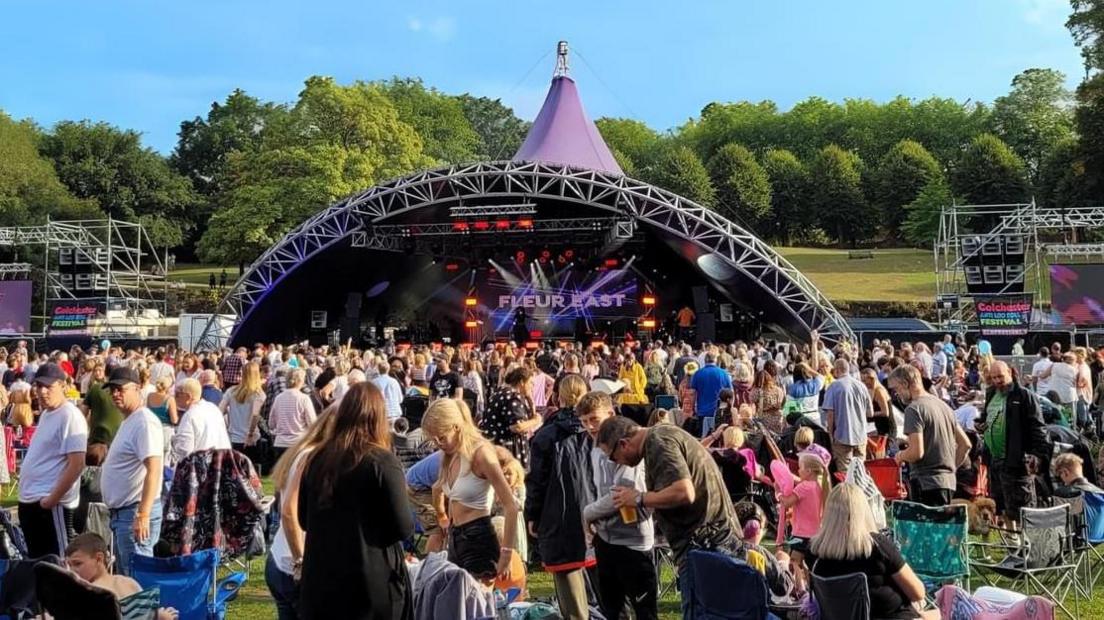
point(892, 275)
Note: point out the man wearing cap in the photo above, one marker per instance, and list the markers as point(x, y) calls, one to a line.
point(131, 475)
point(49, 485)
point(201, 426)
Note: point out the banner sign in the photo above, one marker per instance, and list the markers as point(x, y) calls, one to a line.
point(1004, 315)
point(71, 318)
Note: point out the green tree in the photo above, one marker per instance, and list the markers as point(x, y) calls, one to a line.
point(500, 131)
point(1086, 23)
point(627, 165)
point(898, 179)
point(838, 197)
point(1035, 116)
point(1062, 177)
point(337, 140)
point(681, 171)
point(988, 172)
point(743, 190)
point(29, 187)
point(108, 165)
point(238, 124)
point(633, 139)
point(922, 222)
point(439, 119)
point(790, 206)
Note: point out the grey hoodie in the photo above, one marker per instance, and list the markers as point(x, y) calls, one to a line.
point(639, 536)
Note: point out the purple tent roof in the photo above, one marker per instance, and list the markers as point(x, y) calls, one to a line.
point(563, 134)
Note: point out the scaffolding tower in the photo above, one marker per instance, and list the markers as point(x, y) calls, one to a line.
point(109, 261)
point(1043, 231)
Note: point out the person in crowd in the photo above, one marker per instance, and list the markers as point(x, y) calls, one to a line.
point(445, 383)
point(410, 446)
point(472, 383)
point(687, 398)
point(49, 483)
point(188, 368)
point(769, 397)
point(686, 318)
point(559, 484)
point(540, 387)
point(283, 568)
point(202, 426)
point(162, 404)
point(937, 445)
point(685, 493)
point(1038, 382)
point(232, 369)
point(847, 406)
point(510, 419)
point(849, 542)
point(131, 474)
point(87, 556)
point(292, 412)
point(1011, 424)
point(352, 505)
point(1070, 470)
point(807, 385)
point(161, 367)
point(885, 424)
point(242, 405)
point(104, 417)
point(208, 380)
point(807, 502)
point(623, 541)
point(707, 384)
point(634, 377)
point(469, 479)
point(390, 388)
point(420, 478)
point(1062, 377)
point(804, 442)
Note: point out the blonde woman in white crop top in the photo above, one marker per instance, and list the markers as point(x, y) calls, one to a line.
point(470, 479)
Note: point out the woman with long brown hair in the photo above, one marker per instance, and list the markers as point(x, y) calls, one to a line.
point(769, 397)
point(353, 506)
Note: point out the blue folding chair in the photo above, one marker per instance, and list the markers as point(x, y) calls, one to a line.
point(188, 583)
point(723, 587)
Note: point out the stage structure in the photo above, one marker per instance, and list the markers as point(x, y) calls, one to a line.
point(562, 195)
point(108, 264)
point(1010, 256)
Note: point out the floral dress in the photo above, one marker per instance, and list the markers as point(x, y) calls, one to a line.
point(506, 408)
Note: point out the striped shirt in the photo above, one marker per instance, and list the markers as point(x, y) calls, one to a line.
point(292, 413)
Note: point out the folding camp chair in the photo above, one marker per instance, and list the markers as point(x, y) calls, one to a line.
point(665, 561)
point(886, 474)
point(846, 597)
point(188, 583)
point(723, 587)
point(933, 542)
point(65, 596)
point(1089, 539)
point(1042, 561)
point(17, 586)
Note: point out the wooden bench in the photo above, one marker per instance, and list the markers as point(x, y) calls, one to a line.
point(853, 254)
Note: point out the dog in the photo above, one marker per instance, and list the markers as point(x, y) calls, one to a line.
point(981, 514)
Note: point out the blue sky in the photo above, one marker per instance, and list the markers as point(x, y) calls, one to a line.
point(149, 65)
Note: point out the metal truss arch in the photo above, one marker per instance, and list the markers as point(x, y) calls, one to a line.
point(625, 197)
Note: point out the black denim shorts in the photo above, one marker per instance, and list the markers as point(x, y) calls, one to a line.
point(474, 547)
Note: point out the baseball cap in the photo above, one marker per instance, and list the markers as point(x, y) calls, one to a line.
point(49, 374)
point(120, 376)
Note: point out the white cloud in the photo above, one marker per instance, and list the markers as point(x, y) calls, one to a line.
point(439, 28)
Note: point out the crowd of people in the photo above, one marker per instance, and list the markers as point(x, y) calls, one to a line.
point(590, 463)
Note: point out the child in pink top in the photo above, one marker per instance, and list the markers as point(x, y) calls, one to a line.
point(807, 501)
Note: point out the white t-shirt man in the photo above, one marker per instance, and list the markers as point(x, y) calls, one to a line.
point(124, 470)
point(1042, 386)
point(1063, 380)
point(160, 369)
point(60, 432)
point(202, 427)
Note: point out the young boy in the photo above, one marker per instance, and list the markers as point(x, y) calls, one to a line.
point(87, 556)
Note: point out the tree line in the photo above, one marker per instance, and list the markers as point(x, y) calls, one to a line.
point(853, 172)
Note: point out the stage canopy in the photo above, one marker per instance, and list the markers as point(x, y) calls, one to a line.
point(387, 245)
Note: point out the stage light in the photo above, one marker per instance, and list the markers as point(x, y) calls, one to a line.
point(648, 300)
point(460, 226)
point(481, 225)
point(610, 262)
point(471, 301)
point(452, 266)
point(471, 324)
point(648, 323)
point(502, 224)
point(569, 254)
point(519, 257)
point(536, 334)
point(525, 223)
